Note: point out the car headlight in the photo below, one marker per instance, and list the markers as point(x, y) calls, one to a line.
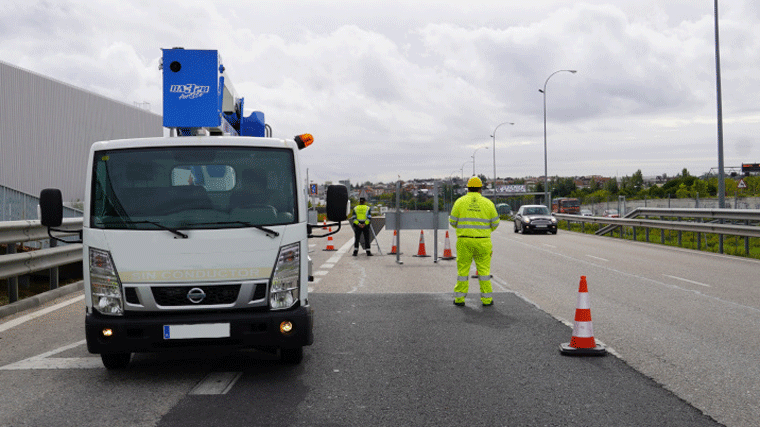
point(105, 284)
point(554, 220)
point(286, 278)
point(526, 220)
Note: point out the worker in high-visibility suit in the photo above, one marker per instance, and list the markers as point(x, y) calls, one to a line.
point(474, 217)
point(360, 223)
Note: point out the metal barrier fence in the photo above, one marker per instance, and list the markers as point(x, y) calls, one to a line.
point(13, 264)
point(683, 222)
point(16, 205)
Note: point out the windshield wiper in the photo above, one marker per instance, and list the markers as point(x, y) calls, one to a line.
point(271, 233)
point(161, 226)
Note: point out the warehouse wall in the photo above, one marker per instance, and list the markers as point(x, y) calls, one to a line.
point(47, 127)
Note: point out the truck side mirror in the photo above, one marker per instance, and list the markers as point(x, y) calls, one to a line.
point(51, 207)
point(337, 203)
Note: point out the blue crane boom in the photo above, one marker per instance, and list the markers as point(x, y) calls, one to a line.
point(199, 97)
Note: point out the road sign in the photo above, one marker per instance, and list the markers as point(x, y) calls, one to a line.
point(313, 189)
point(742, 184)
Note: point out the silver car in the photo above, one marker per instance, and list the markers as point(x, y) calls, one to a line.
point(535, 218)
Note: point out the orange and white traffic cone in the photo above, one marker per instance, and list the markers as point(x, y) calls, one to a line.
point(394, 249)
point(421, 251)
point(324, 224)
point(330, 246)
point(582, 342)
point(447, 255)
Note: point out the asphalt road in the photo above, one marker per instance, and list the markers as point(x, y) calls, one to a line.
point(391, 349)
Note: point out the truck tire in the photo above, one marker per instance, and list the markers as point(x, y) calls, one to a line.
point(116, 360)
point(291, 356)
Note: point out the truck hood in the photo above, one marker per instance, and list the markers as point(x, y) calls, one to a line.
point(148, 256)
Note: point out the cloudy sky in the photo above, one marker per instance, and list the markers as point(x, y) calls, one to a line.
point(416, 88)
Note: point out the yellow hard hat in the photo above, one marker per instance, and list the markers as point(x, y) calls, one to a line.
point(474, 182)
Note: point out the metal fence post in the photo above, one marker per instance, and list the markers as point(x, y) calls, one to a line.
point(746, 243)
point(12, 281)
point(54, 270)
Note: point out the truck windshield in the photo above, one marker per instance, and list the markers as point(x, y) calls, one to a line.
point(193, 188)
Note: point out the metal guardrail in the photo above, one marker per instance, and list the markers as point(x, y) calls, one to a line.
point(737, 215)
point(15, 264)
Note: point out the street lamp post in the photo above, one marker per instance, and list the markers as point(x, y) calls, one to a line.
point(473, 159)
point(461, 168)
point(494, 154)
point(546, 169)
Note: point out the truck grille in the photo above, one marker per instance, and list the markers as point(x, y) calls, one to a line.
point(173, 296)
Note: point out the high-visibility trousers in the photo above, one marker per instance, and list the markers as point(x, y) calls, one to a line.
point(469, 249)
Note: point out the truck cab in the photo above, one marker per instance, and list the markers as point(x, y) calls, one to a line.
point(196, 240)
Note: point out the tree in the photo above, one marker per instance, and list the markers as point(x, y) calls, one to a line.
point(611, 186)
point(563, 187)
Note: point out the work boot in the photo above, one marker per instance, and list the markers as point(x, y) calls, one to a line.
point(369, 253)
point(488, 304)
point(459, 304)
point(356, 252)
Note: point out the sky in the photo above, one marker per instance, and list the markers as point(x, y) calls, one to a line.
point(415, 89)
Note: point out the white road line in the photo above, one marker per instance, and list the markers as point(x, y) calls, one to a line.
point(498, 281)
point(321, 273)
point(327, 265)
point(549, 246)
point(23, 319)
point(216, 383)
point(44, 361)
point(687, 281)
point(596, 257)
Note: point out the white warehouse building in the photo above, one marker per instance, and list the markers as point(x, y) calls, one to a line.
point(46, 129)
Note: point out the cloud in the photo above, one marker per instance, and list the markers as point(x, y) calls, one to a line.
point(408, 88)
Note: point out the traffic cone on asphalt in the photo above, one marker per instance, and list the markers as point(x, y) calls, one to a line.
point(324, 224)
point(582, 342)
point(330, 246)
point(394, 249)
point(447, 255)
point(421, 251)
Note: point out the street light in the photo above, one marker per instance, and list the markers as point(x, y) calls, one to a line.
point(494, 154)
point(462, 168)
point(473, 159)
point(546, 171)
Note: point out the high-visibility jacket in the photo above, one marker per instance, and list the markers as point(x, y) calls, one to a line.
point(361, 214)
point(474, 216)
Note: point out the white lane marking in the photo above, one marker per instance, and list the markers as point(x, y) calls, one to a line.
point(596, 257)
point(343, 249)
point(321, 273)
point(327, 265)
point(44, 361)
point(653, 281)
point(549, 246)
point(687, 281)
point(23, 319)
point(216, 383)
point(501, 283)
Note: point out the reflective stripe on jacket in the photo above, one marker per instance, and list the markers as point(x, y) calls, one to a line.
point(361, 214)
point(474, 216)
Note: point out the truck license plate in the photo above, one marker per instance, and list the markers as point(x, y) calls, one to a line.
point(209, 330)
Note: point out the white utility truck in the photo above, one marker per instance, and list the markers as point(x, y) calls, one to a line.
point(199, 238)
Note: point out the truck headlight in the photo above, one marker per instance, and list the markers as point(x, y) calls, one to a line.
point(105, 284)
point(286, 278)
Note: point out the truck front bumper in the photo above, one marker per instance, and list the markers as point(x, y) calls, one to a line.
point(247, 329)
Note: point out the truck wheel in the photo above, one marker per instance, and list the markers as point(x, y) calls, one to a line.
point(116, 360)
point(291, 356)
